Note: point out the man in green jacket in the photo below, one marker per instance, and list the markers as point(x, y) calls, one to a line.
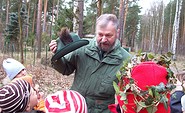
point(95, 65)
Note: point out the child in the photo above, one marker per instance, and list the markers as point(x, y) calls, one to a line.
point(15, 70)
point(17, 96)
point(177, 100)
point(144, 90)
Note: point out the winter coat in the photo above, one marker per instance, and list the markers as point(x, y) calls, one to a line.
point(175, 102)
point(94, 77)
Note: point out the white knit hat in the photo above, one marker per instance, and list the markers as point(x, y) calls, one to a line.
point(12, 67)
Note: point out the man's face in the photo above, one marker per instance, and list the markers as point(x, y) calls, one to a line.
point(106, 36)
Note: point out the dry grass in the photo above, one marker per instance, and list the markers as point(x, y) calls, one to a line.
point(178, 65)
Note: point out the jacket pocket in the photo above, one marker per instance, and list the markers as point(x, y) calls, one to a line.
point(106, 85)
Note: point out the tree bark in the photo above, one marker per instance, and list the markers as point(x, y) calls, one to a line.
point(7, 12)
point(170, 28)
point(175, 33)
point(38, 32)
point(28, 16)
point(58, 4)
point(160, 44)
point(81, 8)
point(99, 7)
point(34, 18)
point(45, 15)
point(75, 18)
point(121, 19)
point(52, 20)
point(1, 27)
point(20, 32)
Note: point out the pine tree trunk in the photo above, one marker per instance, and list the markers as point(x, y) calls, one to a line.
point(160, 41)
point(34, 18)
point(99, 7)
point(38, 32)
point(52, 19)
point(45, 15)
point(121, 19)
point(75, 18)
point(1, 29)
point(20, 32)
point(58, 4)
point(27, 27)
point(170, 28)
point(81, 8)
point(7, 11)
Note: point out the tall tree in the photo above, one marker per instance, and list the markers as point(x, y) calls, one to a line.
point(132, 21)
point(20, 31)
point(170, 26)
point(75, 17)
point(99, 7)
point(161, 27)
point(52, 17)
point(1, 25)
point(38, 31)
point(28, 16)
point(121, 19)
point(7, 11)
point(80, 16)
point(58, 4)
point(34, 17)
point(175, 33)
point(45, 15)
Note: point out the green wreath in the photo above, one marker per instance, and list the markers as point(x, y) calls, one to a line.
point(155, 94)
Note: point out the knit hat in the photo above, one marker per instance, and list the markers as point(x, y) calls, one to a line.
point(148, 74)
point(14, 97)
point(145, 75)
point(66, 101)
point(12, 67)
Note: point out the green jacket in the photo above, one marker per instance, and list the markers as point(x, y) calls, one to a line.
point(93, 77)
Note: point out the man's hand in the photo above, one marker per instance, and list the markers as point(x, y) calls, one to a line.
point(53, 46)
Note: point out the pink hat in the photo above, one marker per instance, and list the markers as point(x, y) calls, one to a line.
point(66, 101)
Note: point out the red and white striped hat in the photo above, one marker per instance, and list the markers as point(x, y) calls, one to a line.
point(66, 101)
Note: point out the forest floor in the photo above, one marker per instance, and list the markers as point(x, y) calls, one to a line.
point(48, 79)
point(51, 81)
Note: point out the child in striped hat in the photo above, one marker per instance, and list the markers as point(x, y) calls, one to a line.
point(17, 96)
point(15, 71)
